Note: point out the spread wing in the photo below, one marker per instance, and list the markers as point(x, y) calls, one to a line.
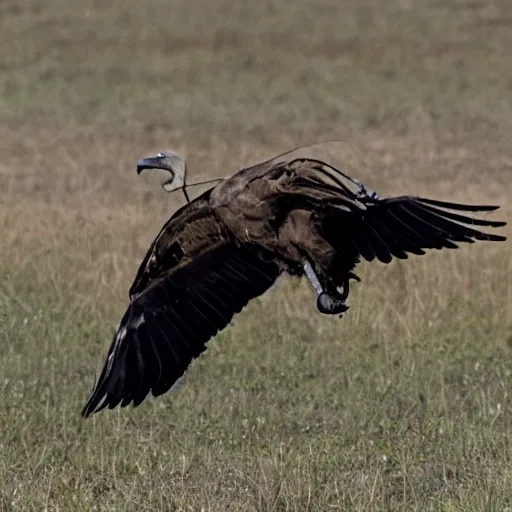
point(387, 228)
point(188, 287)
point(357, 222)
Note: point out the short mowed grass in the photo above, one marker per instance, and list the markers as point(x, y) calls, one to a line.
point(404, 404)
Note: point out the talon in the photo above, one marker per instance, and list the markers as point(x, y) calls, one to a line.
point(351, 275)
point(345, 288)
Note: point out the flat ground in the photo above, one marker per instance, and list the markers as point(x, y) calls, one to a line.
point(404, 404)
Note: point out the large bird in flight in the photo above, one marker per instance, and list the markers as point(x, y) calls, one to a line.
point(295, 214)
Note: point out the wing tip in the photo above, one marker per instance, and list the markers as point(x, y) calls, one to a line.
point(460, 220)
point(460, 206)
point(497, 238)
point(97, 401)
point(90, 409)
point(102, 400)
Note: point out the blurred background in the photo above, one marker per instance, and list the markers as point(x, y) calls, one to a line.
point(403, 404)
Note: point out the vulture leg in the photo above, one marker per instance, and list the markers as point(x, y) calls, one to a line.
point(328, 304)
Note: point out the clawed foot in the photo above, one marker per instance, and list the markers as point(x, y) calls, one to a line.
point(330, 304)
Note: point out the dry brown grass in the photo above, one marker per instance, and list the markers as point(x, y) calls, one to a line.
point(402, 405)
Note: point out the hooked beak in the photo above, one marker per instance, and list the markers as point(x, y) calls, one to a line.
point(152, 162)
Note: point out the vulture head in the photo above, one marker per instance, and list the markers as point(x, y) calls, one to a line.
point(168, 161)
point(176, 166)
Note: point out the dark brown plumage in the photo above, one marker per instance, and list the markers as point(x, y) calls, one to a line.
point(295, 214)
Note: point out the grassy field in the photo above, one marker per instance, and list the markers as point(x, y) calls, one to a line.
point(404, 404)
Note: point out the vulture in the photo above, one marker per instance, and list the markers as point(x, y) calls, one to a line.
point(297, 213)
